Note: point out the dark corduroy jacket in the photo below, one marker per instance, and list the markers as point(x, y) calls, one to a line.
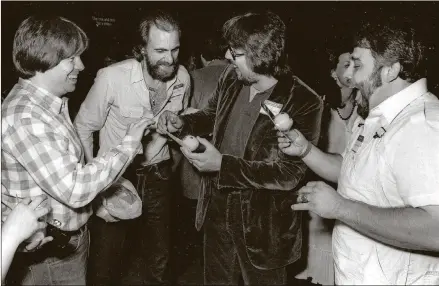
point(266, 177)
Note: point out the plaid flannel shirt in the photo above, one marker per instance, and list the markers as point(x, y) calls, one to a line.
point(41, 153)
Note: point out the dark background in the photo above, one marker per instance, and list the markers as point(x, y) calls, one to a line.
point(313, 27)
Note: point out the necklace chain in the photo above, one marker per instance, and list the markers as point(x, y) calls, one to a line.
point(350, 114)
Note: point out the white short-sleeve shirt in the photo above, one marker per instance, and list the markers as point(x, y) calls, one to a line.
point(391, 161)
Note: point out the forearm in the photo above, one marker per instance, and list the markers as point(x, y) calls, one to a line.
point(70, 181)
point(409, 228)
point(278, 175)
point(101, 172)
point(325, 165)
point(86, 138)
point(9, 246)
point(93, 112)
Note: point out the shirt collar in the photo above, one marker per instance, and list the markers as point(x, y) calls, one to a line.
point(137, 75)
point(392, 106)
point(55, 103)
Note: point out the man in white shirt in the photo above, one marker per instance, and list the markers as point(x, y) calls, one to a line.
point(387, 202)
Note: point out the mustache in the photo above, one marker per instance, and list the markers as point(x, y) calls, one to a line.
point(163, 63)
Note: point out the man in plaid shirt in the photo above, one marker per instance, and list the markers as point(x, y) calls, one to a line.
point(42, 154)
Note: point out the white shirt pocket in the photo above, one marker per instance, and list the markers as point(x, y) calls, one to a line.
point(130, 114)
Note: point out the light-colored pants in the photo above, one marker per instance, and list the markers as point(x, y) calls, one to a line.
point(70, 270)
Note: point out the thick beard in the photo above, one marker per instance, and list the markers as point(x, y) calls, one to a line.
point(367, 88)
point(154, 70)
point(363, 108)
point(245, 81)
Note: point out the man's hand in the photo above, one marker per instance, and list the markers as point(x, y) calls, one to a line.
point(208, 161)
point(24, 222)
point(37, 240)
point(139, 129)
point(169, 121)
point(295, 145)
point(319, 198)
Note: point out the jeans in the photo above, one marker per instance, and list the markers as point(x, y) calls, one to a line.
point(45, 267)
point(225, 254)
point(107, 251)
point(150, 235)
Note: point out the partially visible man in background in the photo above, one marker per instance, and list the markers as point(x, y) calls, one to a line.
point(203, 83)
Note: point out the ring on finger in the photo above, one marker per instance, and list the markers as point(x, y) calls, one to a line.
point(304, 198)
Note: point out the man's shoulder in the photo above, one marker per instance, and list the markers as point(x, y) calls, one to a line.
point(419, 119)
point(425, 109)
point(301, 83)
point(17, 106)
point(209, 71)
point(300, 87)
point(432, 108)
point(17, 99)
point(122, 68)
point(183, 74)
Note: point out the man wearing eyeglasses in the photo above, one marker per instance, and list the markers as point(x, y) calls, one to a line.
point(247, 182)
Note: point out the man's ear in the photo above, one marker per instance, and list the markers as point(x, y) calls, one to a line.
point(391, 73)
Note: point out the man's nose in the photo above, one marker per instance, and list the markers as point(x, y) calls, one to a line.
point(228, 55)
point(79, 65)
point(348, 74)
point(169, 59)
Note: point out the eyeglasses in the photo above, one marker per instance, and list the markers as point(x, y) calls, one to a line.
point(235, 55)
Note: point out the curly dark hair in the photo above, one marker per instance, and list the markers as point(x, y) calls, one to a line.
point(389, 45)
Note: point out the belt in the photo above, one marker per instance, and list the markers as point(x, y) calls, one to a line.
point(58, 247)
point(62, 237)
point(152, 168)
point(67, 232)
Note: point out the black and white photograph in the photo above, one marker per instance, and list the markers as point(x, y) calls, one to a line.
point(219, 143)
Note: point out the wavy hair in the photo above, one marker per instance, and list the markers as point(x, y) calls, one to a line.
point(390, 45)
point(162, 20)
point(41, 43)
point(262, 37)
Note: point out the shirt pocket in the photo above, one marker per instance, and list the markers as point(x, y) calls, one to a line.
point(175, 101)
point(131, 114)
point(431, 278)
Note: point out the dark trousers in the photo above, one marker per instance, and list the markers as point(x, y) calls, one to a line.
point(187, 242)
point(225, 255)
point(107, 252)
point(150, 234)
